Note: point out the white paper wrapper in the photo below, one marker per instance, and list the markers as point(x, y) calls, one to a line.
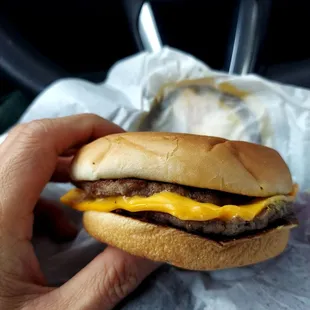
point(246, 108)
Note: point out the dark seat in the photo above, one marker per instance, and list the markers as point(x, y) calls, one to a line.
point(293, 73)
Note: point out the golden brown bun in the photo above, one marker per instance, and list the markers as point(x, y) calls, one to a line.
point(179, 248)
point(192, 160)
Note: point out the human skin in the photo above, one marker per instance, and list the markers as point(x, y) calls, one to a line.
point(32, 155)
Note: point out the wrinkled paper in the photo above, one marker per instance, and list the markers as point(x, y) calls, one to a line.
point(173, 91)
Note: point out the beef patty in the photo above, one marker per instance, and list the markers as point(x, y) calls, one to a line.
point(233, 227)
point(143, 188)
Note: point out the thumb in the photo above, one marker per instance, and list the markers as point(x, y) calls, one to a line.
point(103, 283)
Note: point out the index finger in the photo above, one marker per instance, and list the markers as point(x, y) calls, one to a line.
point(28, 156)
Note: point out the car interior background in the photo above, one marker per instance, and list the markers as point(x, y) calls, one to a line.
point(41, 42)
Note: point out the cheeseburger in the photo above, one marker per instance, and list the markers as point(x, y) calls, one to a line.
point(196, 202)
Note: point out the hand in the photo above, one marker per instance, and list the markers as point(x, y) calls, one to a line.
point(32, 155)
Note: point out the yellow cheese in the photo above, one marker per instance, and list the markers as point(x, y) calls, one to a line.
point(171, 203)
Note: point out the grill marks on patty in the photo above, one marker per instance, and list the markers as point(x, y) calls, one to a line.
point(143, 188)
point(236, 226)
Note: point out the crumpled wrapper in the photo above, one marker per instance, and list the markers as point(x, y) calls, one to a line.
point(172, 91)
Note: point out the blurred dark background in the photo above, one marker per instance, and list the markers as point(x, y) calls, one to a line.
point(85, 38)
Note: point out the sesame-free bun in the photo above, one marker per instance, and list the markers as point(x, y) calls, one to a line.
point(181, 249)
point(193, 160)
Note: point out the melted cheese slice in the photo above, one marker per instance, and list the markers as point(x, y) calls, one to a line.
point(181, 207)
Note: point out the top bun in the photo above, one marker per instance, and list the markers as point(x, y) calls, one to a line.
point(193, 160)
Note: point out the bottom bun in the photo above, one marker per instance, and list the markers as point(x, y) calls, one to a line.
point(181, 249)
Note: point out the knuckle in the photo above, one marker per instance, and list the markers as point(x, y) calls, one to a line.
point(17, 129)
point(13, 295)
point(91, 115)
point(35, 304)
point(30, 142)
point(113, 283)
point(91, 118)
point(37, 127)
point(31, 305)
point(32, 130)
point(120, 280)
